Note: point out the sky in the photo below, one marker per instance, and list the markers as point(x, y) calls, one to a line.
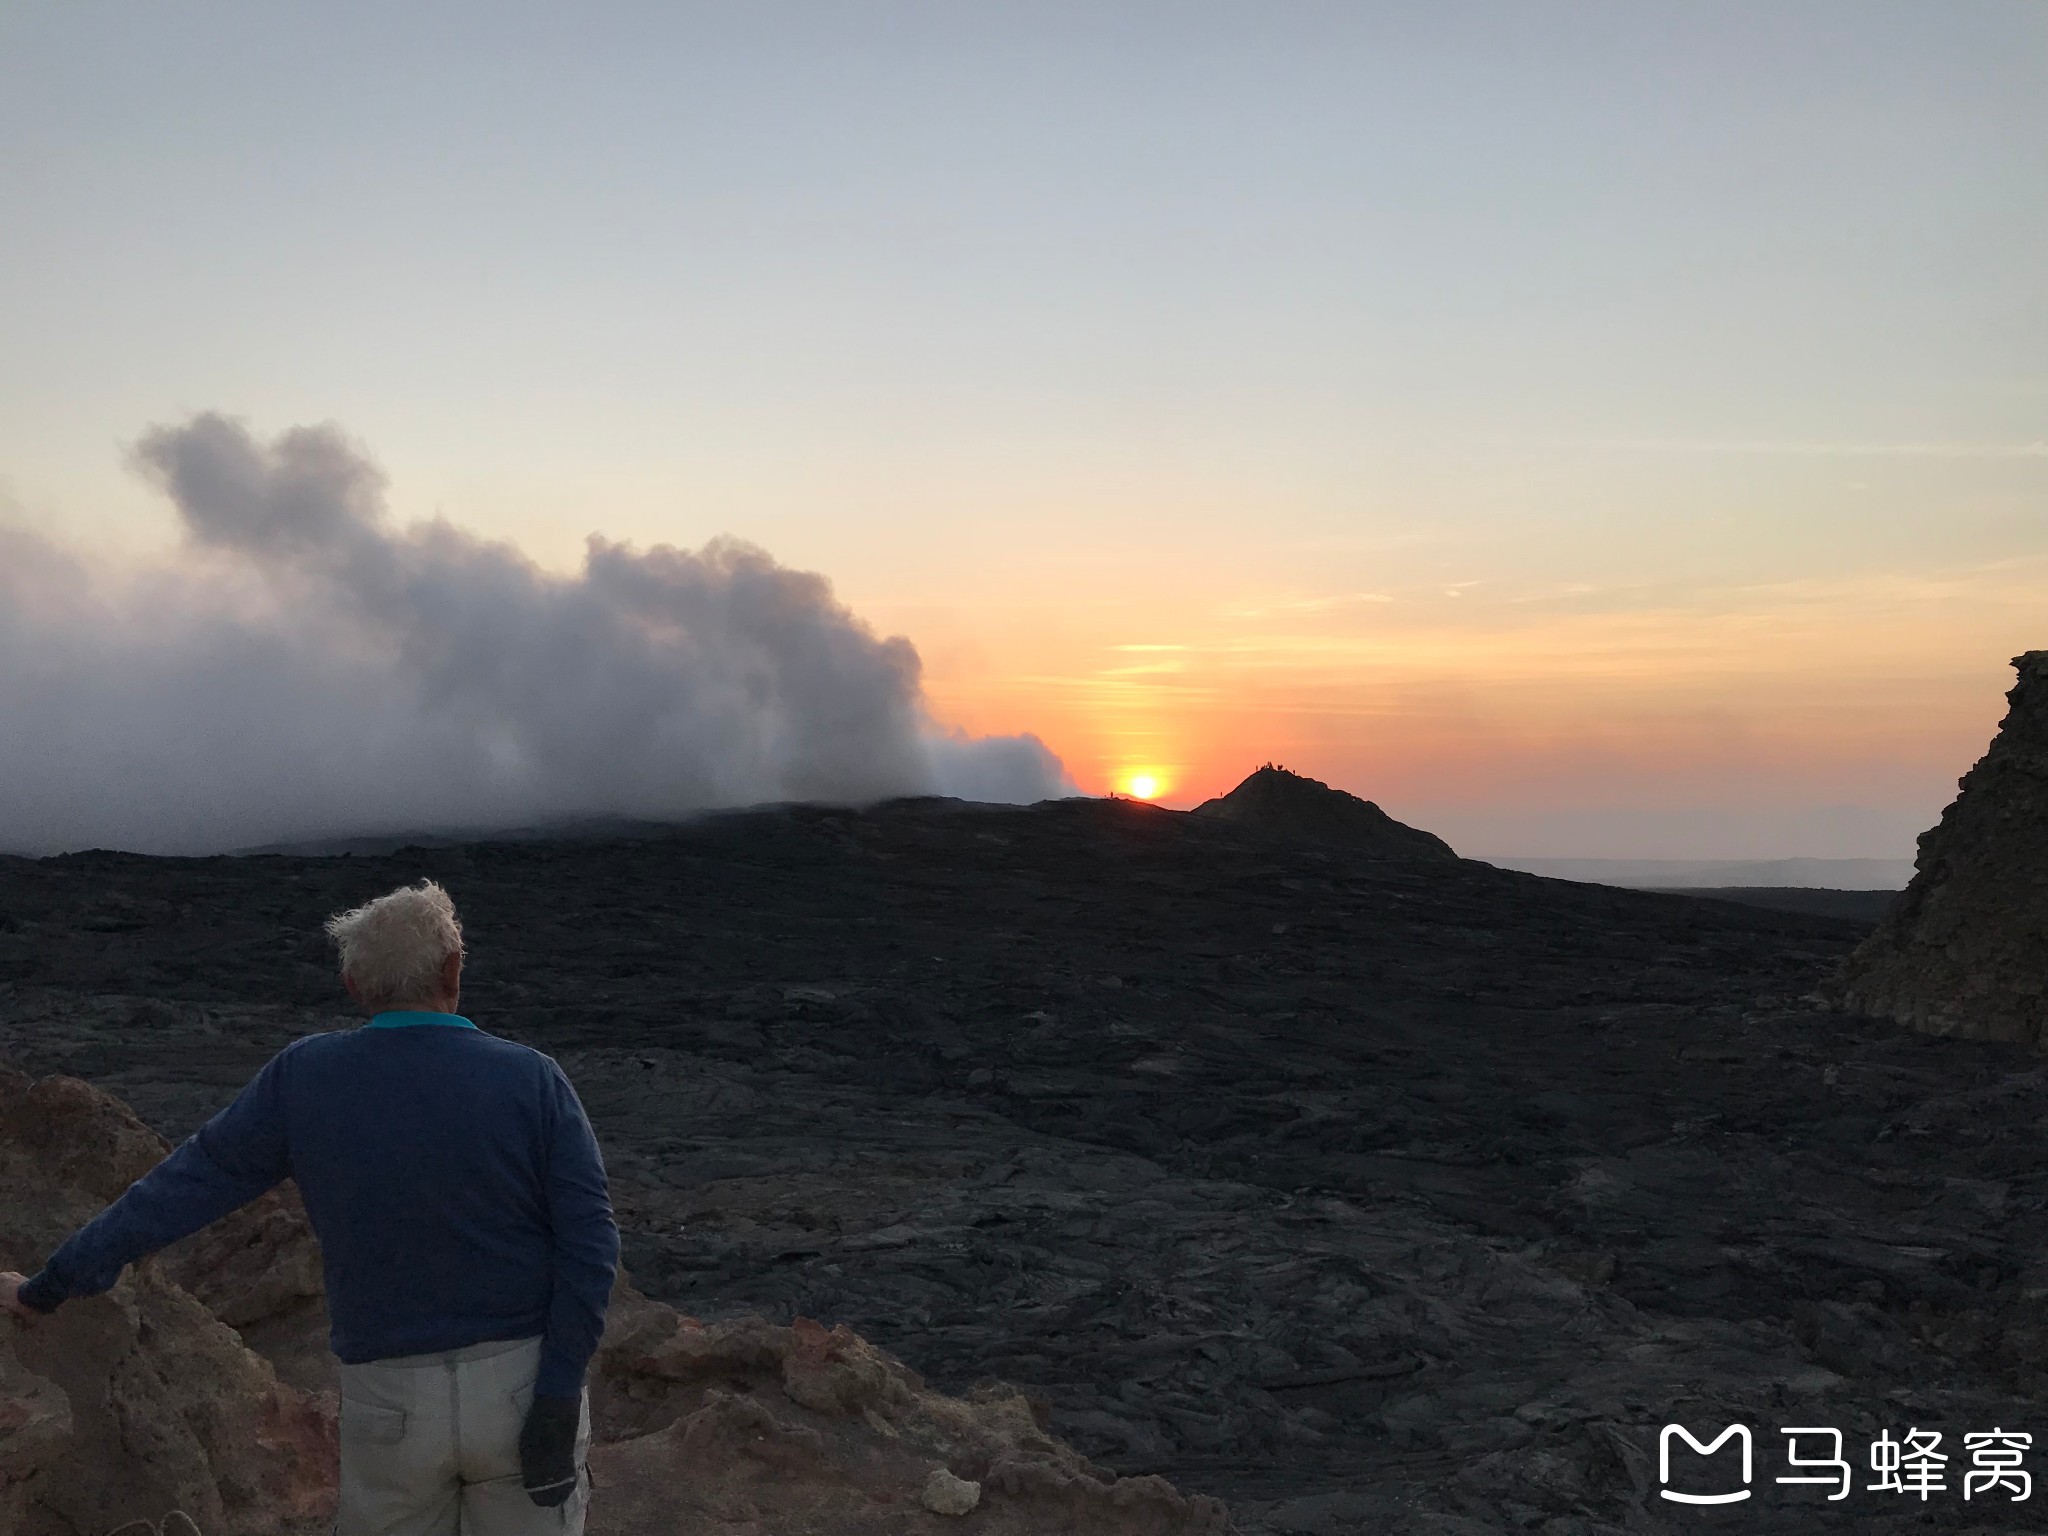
point(1587, 429)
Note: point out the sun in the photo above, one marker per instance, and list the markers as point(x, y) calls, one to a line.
point(1143, 786)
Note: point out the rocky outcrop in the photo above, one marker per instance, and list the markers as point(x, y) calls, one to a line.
point(1276, 803)
point(127, 1406)
point(132, 1404)
point(745, 1424)
point(1965, 950)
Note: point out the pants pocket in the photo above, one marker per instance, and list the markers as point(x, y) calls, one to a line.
point(367, 1424)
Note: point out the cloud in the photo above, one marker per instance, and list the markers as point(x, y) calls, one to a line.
point(1842, 450)
point(311, 669)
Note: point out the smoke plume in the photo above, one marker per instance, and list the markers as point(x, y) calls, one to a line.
point(311, 670)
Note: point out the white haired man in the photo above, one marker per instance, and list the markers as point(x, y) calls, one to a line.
point(465, 1228)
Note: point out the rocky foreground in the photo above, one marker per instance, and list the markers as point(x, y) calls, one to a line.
point(1364, 1193)
point(152, 1399)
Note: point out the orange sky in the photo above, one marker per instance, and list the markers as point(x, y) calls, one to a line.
point(1875, 693)
point(1605, 424)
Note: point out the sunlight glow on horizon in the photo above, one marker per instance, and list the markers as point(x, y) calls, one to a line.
point(1518, 416)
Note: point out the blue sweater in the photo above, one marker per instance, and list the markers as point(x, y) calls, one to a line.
point(451, 1177)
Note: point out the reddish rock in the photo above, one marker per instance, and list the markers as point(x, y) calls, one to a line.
point(202, 1383)
point(140, 1401)
point(87, 1140)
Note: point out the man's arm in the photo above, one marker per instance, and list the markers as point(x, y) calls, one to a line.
point(586, 1246)
point(226, 1163)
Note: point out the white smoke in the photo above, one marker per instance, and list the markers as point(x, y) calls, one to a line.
point(312, 670)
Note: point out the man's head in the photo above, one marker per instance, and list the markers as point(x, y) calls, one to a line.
point(403, 950)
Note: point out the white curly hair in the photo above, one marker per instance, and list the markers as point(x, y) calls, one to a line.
point(393, 948)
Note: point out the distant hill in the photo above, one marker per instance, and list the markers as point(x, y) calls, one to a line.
point(376, 844)
point(592, 829)
point(1853, 906)
point(1284, 804)
point(1682, 874)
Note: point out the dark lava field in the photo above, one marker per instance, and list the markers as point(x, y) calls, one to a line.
point(1368, 1195)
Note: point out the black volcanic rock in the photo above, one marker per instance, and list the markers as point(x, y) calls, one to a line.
point(1276, 803)
point(1374, 1195)
point(1965, 950)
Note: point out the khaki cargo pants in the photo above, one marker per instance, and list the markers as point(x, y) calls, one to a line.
point(430, 1446)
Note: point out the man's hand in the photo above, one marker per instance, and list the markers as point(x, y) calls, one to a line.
point(11, 1302)
point(547, 1449)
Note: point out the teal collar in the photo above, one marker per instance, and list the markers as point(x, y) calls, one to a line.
point(404, 1017)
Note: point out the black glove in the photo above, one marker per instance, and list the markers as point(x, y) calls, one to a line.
point(547, 1449)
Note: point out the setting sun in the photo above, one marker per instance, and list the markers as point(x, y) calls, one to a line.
point(1143, 786)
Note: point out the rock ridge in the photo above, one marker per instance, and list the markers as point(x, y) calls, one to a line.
point(1965, 949)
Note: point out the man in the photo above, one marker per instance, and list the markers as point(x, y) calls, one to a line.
point(465, 1229)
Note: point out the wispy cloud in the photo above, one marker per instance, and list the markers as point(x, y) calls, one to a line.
point(1828, 450)
point(1302, 605)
